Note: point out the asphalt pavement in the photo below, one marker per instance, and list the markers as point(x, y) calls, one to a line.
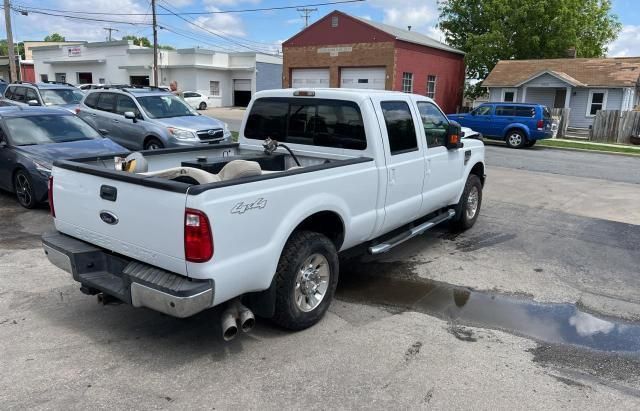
point(536, 307)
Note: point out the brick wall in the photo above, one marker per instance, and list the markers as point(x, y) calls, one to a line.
point(378, 54)
point(424, 61)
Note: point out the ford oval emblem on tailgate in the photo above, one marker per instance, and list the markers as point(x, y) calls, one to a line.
point(108, 217)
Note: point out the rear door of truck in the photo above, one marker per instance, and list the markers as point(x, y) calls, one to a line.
point(136, 216)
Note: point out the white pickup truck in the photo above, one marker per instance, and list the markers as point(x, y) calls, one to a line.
point(260, 223)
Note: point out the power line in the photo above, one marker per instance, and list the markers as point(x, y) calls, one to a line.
point(26, 13)
point(110, 29)
point(187, 13)
point(209, 31)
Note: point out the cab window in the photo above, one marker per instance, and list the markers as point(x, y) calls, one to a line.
point(435, 124)
point(482, 111)
point(19, 94)
point(125, 104)
point(400, 127)
point(31, 95)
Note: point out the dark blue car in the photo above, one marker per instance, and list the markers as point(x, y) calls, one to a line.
point(32, 138)
point(517, 124)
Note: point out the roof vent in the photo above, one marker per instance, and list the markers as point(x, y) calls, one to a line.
point(334, 21)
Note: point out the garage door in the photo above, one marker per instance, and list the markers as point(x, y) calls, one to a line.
point(361, 77)
point(309, 78)
point(241, 92)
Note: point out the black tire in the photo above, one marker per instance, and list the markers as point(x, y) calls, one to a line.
point(23, 187)
point(463, 220)
point(202, 106)
point(531, 143)
point(153, 144)
point(301, 246)
point(515, 139)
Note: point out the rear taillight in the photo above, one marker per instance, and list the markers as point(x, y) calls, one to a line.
point(50, 197)
point(198, 240)
point(540, 124)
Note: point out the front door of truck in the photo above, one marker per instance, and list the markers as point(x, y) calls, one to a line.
point(405, 162)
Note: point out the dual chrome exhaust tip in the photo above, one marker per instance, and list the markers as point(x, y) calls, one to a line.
point(234, 318)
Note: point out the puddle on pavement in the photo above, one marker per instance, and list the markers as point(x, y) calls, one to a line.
point(548, 323)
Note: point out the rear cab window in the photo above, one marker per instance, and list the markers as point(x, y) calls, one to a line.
point(317, 122)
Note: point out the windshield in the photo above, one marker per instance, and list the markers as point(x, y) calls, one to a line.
point(55, 97)
point(165, 106)
point(48, 129)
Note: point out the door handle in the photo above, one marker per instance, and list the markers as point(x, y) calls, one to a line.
point(392, 176)
point(115, 121)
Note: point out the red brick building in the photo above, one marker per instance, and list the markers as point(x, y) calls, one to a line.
point(345, 51)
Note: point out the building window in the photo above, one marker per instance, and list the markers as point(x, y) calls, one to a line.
point(431, 87)
point(44, 78)
point(334, 21)
point(214, 88)
point(84, 78)
point(509, 95)
point(61, 77)
point(407, 82)
point(597, 101)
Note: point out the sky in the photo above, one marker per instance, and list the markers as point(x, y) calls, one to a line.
point(256, 31)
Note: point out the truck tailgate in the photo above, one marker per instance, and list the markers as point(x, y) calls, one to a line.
point(140, 222)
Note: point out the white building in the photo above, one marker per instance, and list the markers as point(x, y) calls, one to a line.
point(229, 78)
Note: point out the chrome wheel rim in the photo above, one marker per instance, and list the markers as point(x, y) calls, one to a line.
point(515, 139)
point(23, 189)
point(312, 282)
point(472, 202)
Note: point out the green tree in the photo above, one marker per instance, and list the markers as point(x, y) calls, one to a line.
point(54, 37)
point(4, 48)
point(492, 30)
point(138, 41)
point(166, 47)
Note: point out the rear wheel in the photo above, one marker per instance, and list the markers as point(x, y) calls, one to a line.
point(306, 280)
point(515, 139)
point(202, 106)
point(24, 189)
point(468, 209)
point(153, 144)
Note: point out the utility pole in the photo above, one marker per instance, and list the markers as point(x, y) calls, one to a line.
point(155, 44)
point(110, 29)
point(305, 14)
point(11, 51)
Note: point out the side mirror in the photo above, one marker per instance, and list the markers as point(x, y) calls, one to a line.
point(130, 115)
point(33, 103)
point(103, 132)
point(454, 139)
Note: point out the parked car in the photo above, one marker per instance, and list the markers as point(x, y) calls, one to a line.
point(349, 168)
point(57, 94)
point(195, 100)
point(31, 138)
point(518, 124)
point(149, 119)
point(3, 86)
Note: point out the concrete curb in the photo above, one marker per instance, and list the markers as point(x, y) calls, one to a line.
point(590, 150)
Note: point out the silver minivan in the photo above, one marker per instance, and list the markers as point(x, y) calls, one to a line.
point(149, 119)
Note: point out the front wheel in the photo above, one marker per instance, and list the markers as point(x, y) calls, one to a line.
point(306, 280)
point(516, 139)
point(24, 189)
point(153, 144)
point(468, 209)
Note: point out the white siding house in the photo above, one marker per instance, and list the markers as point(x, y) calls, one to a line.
point(583, 85)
